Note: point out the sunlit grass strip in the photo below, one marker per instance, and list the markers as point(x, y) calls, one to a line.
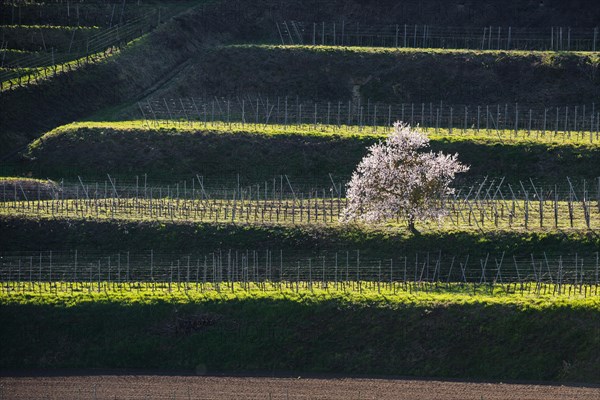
point(49, 27)
point(530, 295)
point(465, 215)
point(506, 137)
point(14, 179)
point(44, 73)
point(548, 54)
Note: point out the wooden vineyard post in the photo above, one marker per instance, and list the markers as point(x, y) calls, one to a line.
point(597, 270)
point(567, 130)
point(598, 193)
point(586, 206)
point(555, 206)
point(358, 271)
point(544, 126)
point(526, 210)
point(392, 288)
point(556, 125)
point(541, 199)
point(310, 287)
point(570, 204)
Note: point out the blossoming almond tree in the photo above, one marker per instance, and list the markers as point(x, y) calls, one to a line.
point(395, 179)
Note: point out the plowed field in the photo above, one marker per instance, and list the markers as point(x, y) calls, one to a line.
point(209, 388)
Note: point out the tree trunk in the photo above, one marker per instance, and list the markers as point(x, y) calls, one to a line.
point(411, 226)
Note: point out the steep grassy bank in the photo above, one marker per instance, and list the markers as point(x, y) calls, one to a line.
point(45, 37)
point(94, 149)
point(31, 234)
point(255, 19)
point(30, 110)
point(393, 76)
point(434, 334)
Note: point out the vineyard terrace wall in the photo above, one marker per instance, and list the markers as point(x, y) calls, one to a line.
point(100, 148)
point(30, 110)
point(469, 337)
point(255, 19)
point(33, 234)
point(393, 76)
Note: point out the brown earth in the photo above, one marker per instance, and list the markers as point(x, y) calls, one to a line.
point(200, 387)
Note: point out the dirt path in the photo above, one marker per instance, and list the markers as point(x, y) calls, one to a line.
point(112, 387)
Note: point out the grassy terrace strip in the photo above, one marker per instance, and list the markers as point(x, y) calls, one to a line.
point(471, 215)
point(31, 110)
point(20, 233)
point(44, 73)
point(15, 180)
point(69, 294)
point(136, 147)
point(38, 27)
point(393, 76)
point(27, 37)
point(547, 55)
point(436, 333)
point(522, 137)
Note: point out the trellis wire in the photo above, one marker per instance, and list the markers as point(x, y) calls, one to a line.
point(490, 203)
point(71, 13)
point(78, 51)
point(269, 269)
point(343, 33)
point(574, 122)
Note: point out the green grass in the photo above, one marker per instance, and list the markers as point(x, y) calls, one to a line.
point(547, 56)
point(584, 140)
point(485, 332)
point(31, 76)
point(31, 234)
point(441, 334)
point(45, 37)
point(29, 111)
point(391, 76)
point(12, 179)
point(70, 294)
point(132, 148)
point(49, 27)
point(475, 216)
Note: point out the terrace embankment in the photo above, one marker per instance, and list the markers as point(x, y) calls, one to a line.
point(251, 15)
point(420, 334)
point(335, 73)
point(393, 75)
point(260, 152)
point(30, 110)
point(33, 234)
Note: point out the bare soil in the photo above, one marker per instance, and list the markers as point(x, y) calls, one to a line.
point(210, 388)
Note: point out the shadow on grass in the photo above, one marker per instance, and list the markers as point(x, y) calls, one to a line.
point(450, 341)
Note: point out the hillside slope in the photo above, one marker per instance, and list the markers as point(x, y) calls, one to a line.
point(132, 148)
point(29, 111)
point(393, 76)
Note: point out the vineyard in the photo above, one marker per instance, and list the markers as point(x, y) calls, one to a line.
point(427, 36)
point(42, 40)
point(176, 193)
point(266, 270)
point(571, 122)
point(487, 205)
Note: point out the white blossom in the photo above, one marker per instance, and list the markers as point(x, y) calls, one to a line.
point(396, 179)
